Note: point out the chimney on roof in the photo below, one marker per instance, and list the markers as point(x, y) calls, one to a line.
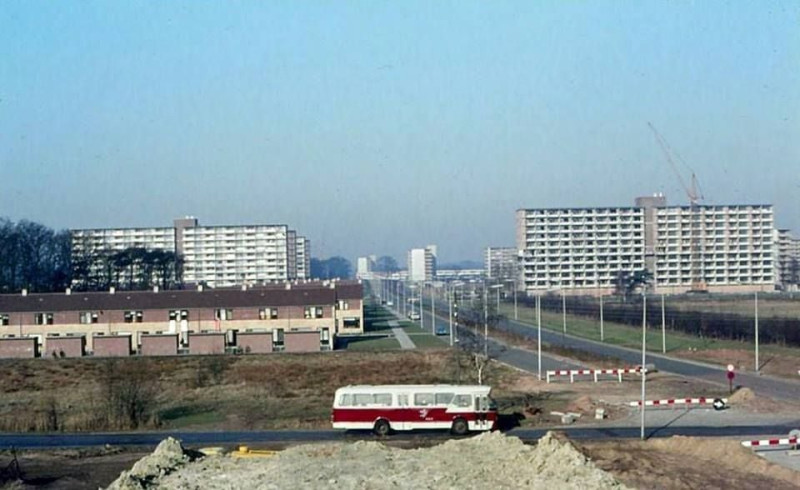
point(200, 288)
point(244, 287)
point(333, 285)
point(68, 291)
point(24, 291)
point(288, 286)
point(112, 290)
point(155, 289)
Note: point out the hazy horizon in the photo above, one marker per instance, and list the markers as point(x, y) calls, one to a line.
point(372, 128)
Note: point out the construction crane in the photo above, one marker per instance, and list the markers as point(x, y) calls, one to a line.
point(695, 195)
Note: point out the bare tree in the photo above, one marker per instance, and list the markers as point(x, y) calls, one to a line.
point(129, 389)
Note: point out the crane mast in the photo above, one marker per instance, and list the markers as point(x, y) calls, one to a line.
point(696, 221)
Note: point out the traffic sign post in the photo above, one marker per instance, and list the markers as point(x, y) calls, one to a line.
point(731, 375)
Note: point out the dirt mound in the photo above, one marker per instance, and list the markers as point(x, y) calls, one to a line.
point(726, 453)
point(490, 460)
point(583, 404)
point(742, 396)
point(168, 457)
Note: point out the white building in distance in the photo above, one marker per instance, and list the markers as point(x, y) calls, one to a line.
point(216, 255)
point(422, 263)
point(730, 248)
point(501, 263)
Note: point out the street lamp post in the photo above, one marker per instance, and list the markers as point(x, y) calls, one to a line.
point(756, 325)
point(433, 309)
point(516, 315)
point(644, 356)
point(539, 332)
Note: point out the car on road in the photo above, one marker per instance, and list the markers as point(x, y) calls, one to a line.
point(442, 330)
point(413, 316)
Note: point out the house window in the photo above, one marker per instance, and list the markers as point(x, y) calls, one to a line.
point(223, 314)
point(325, 335)
point(3, 320)
point(179, 314)
point(268, 314)
point(351, 322)
point(313, 312)
point(43, 318)
point(88, 317)
point(277, 337)
point(134, 317)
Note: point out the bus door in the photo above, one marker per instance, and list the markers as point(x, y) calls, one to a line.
point(482, 421)
point(402, 420)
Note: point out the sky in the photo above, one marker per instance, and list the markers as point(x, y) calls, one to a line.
point(372, 127)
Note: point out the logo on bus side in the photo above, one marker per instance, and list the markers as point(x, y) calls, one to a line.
point(423, 413)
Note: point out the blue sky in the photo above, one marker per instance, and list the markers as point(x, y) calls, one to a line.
point(373, 127)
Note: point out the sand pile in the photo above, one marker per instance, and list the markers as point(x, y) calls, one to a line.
point(742, 396)
point(490, 460)
point(168, 457)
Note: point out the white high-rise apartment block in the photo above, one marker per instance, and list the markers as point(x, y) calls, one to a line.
point(788, 260)
point(303, 258)
point(422, 263)
point(584, 250)
point(216, 255)
point(364, 266)
point(501, 263)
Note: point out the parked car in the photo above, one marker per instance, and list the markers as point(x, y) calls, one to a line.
point(442, 330)
point(413, 316)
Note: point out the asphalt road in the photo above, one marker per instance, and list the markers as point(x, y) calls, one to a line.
point(772, 387)
point(764, 385)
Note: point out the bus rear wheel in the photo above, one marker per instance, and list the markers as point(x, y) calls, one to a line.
point(460, 427)
point(381, 428)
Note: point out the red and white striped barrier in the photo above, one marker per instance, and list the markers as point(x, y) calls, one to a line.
point(593, 372)
point(786, 441)
point(682, 401)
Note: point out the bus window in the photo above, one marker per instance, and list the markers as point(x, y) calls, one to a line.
point(345, 400)
point(402, 400)
point(463, 401)
point(383, 399)
point(423, 399)
point(362, 399)
point(444, 398)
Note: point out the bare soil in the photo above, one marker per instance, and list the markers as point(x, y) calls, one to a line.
point(688, 462)
point(67, 469)
point(744, 361)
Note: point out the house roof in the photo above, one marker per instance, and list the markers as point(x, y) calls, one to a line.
point(271, 295)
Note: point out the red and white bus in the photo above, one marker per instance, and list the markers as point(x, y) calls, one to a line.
point(389, 408)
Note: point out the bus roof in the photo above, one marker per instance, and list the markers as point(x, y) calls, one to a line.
point(455, 388)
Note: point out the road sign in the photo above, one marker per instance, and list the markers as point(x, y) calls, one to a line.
point(731, 375)
point(731, 367)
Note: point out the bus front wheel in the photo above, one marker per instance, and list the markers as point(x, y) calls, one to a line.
point(381, 428)
point(460, 427)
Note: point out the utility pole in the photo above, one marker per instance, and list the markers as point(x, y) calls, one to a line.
point(564, 310)
point(663, 327)
point(539, 332)
point(516, 315)
point(485, 321)
point(450, 302)
point(644, 356)
point(433, 309)
point(756, 325)
point(602, 334)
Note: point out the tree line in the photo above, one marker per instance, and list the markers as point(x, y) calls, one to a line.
point(33, 256)
point(40, 259)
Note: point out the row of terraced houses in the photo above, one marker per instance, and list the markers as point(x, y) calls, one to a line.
point(293, 316)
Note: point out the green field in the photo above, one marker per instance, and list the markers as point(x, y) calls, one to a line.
point(630, 336)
